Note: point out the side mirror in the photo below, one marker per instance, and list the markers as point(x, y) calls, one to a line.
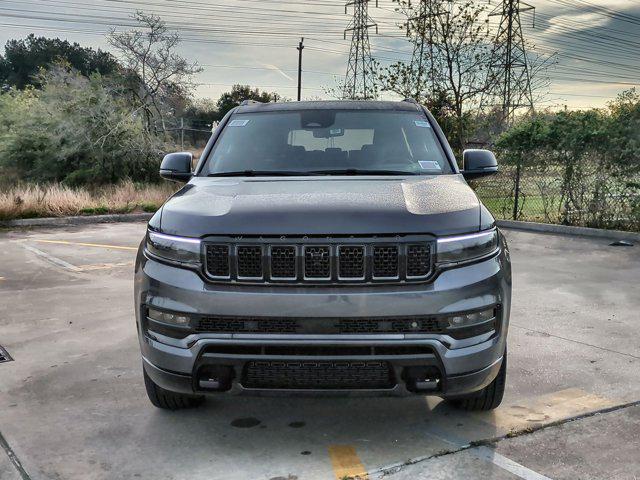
point(478, 163)
point(176, 167)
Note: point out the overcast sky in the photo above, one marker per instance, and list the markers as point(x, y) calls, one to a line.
point(253, 41)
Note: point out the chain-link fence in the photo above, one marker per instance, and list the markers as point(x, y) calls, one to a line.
point(186, 133)
point(585, 196)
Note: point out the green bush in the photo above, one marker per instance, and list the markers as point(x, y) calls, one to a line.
point(583, 165)
point(75, 130)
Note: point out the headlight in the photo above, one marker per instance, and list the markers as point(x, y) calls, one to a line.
point(186, 251)
point(463, 248)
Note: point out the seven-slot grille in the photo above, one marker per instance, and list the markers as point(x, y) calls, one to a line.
point(315, 262)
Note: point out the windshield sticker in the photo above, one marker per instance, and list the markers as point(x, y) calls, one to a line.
point(238, 123)
point(423, 124)
point(430, 165)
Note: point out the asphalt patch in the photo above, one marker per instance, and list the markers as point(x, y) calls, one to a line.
point(245, 422)
point(621, 243)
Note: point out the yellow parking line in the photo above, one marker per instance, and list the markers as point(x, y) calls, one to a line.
point(545, 409)
point(83, 244)
point(103, 266)
point(346, 463)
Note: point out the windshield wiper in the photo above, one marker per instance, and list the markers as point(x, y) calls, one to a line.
point(259, 173)
point(357, 171)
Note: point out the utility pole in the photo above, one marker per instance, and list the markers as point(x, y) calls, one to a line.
point(421, 26)
point(358, 83)
point(508, 84)
point(300, 47)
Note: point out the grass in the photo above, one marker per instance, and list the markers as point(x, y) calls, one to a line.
point(31, 201)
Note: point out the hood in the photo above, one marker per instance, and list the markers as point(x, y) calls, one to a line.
point(438, 205)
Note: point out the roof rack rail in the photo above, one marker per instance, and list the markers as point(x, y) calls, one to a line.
point(410, 100)
point(249, 102)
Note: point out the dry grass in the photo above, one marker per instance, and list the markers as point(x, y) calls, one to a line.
point(30, 201)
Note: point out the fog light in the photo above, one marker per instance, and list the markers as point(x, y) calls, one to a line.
point(471, 319)
point(178, 319)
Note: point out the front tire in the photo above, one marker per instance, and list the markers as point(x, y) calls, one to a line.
point(168, 400)
point(489, 397)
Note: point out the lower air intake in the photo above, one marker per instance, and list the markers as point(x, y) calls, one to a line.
point(318, 375)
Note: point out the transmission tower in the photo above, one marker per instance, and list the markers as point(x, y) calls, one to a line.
point(358, 83)
point(508, 83)
point(421, 27)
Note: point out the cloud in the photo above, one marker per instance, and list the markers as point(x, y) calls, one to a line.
point(562, 24)
point(276, 69)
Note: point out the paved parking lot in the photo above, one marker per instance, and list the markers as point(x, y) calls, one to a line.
point(72, 403)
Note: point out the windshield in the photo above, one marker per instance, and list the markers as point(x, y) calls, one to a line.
point(327, 142)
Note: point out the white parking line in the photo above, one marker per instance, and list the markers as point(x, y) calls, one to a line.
point(51, 259)
point(489, 455)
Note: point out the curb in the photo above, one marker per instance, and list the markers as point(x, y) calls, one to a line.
point(80, 220)
point(567, 230)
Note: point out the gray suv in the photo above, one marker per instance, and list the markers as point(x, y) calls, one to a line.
point(324, 248)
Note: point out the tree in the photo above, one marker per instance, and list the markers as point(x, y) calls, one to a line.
point(238, 94)
point(202, 112)
point(23, 59)
point(157, 74)
point(459, 43)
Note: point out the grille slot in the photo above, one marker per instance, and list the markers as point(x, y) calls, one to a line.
point(351, 262)
point(418, 260)
point(218, 260)
point(391, 325)
point(249, 261)
point(385, 261)
point(283, 262)
point(318, 375)
point(353, 325)
point(247, 325)
point(317, 262)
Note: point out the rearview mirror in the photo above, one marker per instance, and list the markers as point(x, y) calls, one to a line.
point(176, 166)
point(478, 163)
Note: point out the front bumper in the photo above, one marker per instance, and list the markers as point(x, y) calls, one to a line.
point(465, 366)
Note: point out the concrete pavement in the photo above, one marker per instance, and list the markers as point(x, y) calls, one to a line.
point(72, 404)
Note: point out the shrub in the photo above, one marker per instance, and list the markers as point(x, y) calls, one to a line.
point(75, 130)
